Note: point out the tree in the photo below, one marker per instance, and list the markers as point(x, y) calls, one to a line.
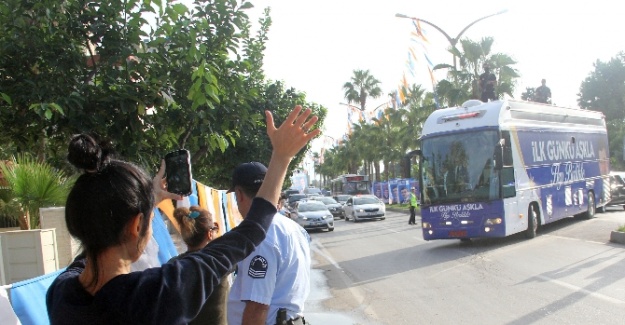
point(604, 90)
point(362, 86)
point(192, 79)
point(252, 142)
point(366, 143)
point(33, 185)
point(528, 94)
point(417, 108)
point(462, 82)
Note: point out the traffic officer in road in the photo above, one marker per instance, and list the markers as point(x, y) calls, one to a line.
point(412, 200)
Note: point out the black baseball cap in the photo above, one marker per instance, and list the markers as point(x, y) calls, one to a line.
point(248, 175)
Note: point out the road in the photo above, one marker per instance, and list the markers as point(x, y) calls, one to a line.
point(383, 272)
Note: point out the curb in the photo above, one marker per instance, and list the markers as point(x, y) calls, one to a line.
point(617, 237)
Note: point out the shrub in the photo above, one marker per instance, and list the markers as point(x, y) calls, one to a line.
point(33, 185)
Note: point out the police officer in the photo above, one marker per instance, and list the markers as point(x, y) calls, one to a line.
point(412, 199)
point(276, 276)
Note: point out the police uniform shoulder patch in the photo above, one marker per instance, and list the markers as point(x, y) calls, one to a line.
point(258, 267)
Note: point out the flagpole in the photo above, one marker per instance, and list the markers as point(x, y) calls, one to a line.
point(452, 41)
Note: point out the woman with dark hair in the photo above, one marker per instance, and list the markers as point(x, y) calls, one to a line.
point(198, 228)
point(109, 210)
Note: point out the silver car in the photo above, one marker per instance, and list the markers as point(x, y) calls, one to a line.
point(312, 215)
point(335, 208)
point(364, 207)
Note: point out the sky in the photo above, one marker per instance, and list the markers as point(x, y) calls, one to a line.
point(314, 46)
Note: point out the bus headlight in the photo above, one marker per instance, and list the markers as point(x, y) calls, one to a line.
point(493, 221)
point(426, 225)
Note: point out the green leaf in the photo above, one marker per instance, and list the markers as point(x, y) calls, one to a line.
point(246, 5)
point(180, 8)
point(141, 109)
point(6, 98)
point(57, 108)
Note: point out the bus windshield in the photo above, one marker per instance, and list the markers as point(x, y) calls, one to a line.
point(459, 168)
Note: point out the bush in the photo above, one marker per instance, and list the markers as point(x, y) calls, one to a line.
point(8, 221)
point(32, 185)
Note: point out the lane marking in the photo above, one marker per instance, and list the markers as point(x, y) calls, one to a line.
point(582, 290)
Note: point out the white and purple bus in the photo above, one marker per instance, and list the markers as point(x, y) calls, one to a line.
point(503, 167)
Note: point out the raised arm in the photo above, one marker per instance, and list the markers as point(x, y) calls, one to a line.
point(286, 140)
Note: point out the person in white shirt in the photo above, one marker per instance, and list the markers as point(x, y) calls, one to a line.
point(277, 274)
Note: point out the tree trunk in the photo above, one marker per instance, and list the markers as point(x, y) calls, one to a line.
point(386, 167)
point(41, 155)
point(24, 220)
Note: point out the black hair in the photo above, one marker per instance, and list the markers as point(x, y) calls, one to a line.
point(250, 190)
point(105, 198)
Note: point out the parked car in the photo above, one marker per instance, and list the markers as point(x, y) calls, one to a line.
point(312, 215)
point(342, 198)
point(294, 198)
point(364, 207)
point(617, 189)
point(335, 208)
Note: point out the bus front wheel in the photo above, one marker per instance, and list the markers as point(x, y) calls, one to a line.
point(532, 222)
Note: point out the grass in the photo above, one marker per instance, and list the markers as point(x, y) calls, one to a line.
point(621, 228)
point(403, 207)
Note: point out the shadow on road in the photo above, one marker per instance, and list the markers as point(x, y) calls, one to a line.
point(425, 254)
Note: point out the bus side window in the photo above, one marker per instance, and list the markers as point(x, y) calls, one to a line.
point(507, 182)
point(507, 149)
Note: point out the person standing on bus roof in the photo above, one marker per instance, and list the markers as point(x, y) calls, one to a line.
point(487, 84)
point(543, 93)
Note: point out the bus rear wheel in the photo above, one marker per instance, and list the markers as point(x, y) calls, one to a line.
point(532, 222)
point(590, 211)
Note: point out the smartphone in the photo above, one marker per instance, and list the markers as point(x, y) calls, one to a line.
point(178, 172)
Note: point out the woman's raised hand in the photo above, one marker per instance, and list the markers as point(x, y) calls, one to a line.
point(290, 137)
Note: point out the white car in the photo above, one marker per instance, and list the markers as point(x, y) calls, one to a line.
point(364, 207)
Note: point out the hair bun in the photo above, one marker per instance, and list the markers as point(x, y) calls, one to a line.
point(84, 152)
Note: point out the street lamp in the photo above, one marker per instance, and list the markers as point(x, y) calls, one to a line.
point(358, 108)
point(452, 41)
point(350, 105)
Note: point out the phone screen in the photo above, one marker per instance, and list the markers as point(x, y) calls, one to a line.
point(178, 171)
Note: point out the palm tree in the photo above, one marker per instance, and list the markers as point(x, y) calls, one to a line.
point(362, 86)
point(33, 185)
point(418, 106)
point(366, 144)
point(463, 80)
